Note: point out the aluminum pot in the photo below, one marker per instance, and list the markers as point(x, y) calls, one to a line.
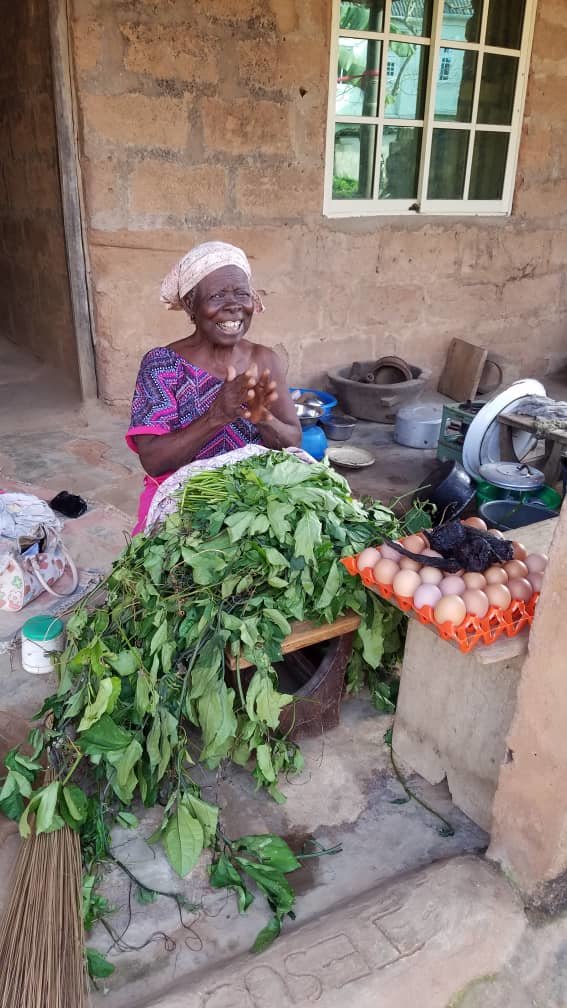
point(418, 426)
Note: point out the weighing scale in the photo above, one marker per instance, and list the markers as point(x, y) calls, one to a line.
point(455, 422)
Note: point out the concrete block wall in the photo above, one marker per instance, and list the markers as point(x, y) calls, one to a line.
point(206, 118)
point(35, 307)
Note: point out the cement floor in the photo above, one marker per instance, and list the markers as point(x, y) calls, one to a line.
point(402, 916)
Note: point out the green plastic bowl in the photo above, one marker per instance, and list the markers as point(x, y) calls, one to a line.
point(486, 492)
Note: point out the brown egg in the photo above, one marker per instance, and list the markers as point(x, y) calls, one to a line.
point(520, 551)
point(498, 595)
point(536, 581)
point(536, 563)
point(368, 558)
point(451, 609)
point(407, 564)
point(496, 575)
point(476, 523)
point(414, 543)
point(495, 532)
point(431, 575)
point(520, 588)
point(476, 602)
point(475, 581)
point(516, 569)
point(385, 571)
point(405, 583)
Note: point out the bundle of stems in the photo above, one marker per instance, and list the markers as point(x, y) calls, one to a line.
point(42, 948)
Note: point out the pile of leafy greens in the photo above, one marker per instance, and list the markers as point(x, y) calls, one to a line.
point(144, 692)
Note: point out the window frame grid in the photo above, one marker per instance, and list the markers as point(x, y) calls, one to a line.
point(374, 206)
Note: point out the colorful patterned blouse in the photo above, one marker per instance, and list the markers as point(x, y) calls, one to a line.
point(171, 393)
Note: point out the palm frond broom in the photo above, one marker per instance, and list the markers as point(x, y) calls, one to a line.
point(42, 948)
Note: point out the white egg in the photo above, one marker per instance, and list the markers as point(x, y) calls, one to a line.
point(452, 584)
point(390, 553)
point(426, 595)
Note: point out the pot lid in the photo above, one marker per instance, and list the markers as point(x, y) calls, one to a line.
point(512, 475)
point(421, 413)
point(482, 440)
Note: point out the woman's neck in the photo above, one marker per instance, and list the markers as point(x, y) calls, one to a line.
point(214, 359)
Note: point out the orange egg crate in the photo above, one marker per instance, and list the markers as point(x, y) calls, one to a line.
point(472, 631)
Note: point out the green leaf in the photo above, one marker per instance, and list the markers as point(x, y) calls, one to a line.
point(76, 802)
point(267, 935)
point(223, 875)
point(98, 966)
point(277, 516)
point(126, 819)
point(280, 621)
point(11, 800)
point(160, 636)
point(145, 896)
point(95, 710)
point(332, 586)
point(307, 536)
point(270, 850)
point(45, 816)
point(275, 885)
point(183, 841)
point(238, 524)
point(152, 742)
point(126, 663)
point(103, 737)
point(208, 816)
point(264, 761)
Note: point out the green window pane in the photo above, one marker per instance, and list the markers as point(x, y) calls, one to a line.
point(411, 17)
point(455, 85)
point(358, 77)
point(353, 166)
point(362, 15)
point(399, 162)
point(405, 86)
point(448, 164)
point(505, 23)
point(497, 90)
point(462, 20)
point(489, 166)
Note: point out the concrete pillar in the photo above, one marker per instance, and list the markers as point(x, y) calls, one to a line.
point(529, 828)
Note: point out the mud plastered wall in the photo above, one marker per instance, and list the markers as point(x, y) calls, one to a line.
point(206, 118)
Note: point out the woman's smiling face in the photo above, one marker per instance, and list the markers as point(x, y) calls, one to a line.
point(223, 306)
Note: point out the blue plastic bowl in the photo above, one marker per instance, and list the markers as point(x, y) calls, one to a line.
point(329, 401)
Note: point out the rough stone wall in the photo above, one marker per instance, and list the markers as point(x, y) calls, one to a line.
point(35, 307)
point(206, 118)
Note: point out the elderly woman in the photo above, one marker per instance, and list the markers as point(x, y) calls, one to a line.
point(215, 390)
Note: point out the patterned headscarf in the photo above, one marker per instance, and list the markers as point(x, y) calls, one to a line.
point(196, 265)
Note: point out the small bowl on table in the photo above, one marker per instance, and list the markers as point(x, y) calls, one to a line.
point(338, 426)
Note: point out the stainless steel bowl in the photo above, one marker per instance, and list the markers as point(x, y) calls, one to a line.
point(308, 415)
point(338, 427)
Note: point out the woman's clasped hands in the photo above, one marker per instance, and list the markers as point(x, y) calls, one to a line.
point(249, 395)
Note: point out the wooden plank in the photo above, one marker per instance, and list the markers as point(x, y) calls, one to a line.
point(463, 369)
point(70, 194)
point(528, 423)
point(304, 634)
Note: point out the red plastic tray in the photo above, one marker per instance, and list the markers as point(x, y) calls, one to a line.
point(472, 630)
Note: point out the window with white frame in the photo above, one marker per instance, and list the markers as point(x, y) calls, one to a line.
point(445, 65)
point(425, 105)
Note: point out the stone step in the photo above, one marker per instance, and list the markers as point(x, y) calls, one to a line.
point(412, 943)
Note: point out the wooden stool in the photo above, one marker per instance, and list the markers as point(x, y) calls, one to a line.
point(317, 702)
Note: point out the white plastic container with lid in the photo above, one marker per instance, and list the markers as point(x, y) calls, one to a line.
point(42, 636)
